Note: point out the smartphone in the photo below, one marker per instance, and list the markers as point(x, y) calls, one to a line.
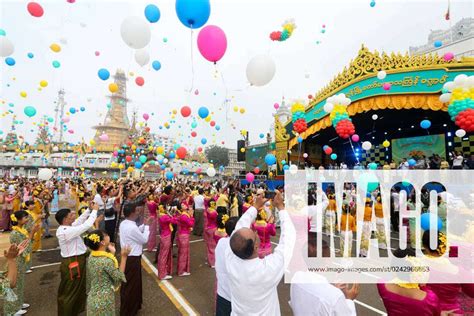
point(270, 194)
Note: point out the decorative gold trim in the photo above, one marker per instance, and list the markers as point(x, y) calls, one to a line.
point(397, 102)
point(280, 131)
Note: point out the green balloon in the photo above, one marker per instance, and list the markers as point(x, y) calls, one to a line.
point(29, 111)
point(56, 64)
point(143, 158)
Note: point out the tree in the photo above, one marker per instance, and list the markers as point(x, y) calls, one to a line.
point(219, 156)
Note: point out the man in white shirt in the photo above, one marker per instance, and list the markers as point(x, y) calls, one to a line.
point(198, 213)
point(223, 305)
point(134, 237)
point(316, 212)
point(311, 294)
point(253, 281)
point(72, 288)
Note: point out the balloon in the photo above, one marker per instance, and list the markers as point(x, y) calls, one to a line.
point(128, 158)
point(142, 57)
point(169, 175)
point(156, 65)
point(372, 166)
point(438, 44)
point(293, 169)
point(30, 55)
point(113, 87)
point(300, 139)
point(355, 138)
point(270, 159)
point(29, 111)
point(139, 81)
point(250, 177)
point(83, 109)
point(203, 112)
point(460, 133)
point(411, 162)
point(427, 218)
point(2, 32)
point(448, 56)
point(305, 155)
point(138, 164)
point(327, 150)
point(10, 61)
point(261, 135)
point(185, 111)
point(44, 174)
point(425, 124)
point(104, 137)
point(97, 53)
point(366, 145)
point(193, 13)
point(375, 116)
point(328, 107)
point(212, 43)
point(66, 119)
point(381, 75)
point(203, 141)
point(386, 86)
point(372, 3)
point(445, 97)
point(55, 48)
point(181, 152)
point(35, 9)
point(143, 158)
point(386, 143)
point(276, 106)
point(146, 116)
point(193, 134)
point(135, 32)
point(56, 64)
point(72, 110)
point(152, 13)
point(333, 156)
point(260, 70)
point(43, 83)
point(211, 172)
point(104, 74)
point(6, 47)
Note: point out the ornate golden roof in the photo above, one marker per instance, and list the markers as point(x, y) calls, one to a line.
point(369, 63)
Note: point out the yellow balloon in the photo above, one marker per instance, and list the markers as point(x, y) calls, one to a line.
point(236, 108)
point(160, 150)
point(130, 169)
point(175, 111)
point(208, 119)
point(386, 143)
point(23, 94)
point(43, 83)
point(134, 147)
point(131, 74)
point(270, 174)
point(113, 87)
point(55, 48)
point(121, 166)
point(242, 110)
point(92, 142)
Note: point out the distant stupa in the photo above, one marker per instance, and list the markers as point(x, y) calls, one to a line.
point(116, 124)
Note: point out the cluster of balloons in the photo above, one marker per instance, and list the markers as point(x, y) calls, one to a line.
point(337, 107)
point(460, 94)
point(288, 28)
point(298, 117)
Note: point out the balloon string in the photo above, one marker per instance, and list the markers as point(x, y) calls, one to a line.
point(192, 62)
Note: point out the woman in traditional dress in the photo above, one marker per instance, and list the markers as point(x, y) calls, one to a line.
point(185, 225)
point(366, 228)
point(330, 215)
point(19, 235)
point(152, 206)
point(348, 227)
point(165, 257)
point(55, 201)
point(211, 226)
point(379, 223)
point(265, 229)
point(4, 211)
point(38, 214)
point(220, 232)
point(103, 273)
point(247, 204)
point(8, 281)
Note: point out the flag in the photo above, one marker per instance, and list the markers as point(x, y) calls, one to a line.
point(446, 16)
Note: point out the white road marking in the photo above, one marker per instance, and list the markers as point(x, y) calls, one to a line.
point(192, 241)
point(378, 311)
point(46, 265)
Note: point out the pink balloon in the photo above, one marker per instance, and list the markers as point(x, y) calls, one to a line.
point(250, 177)
point(104, 137)
point(97, 53)
point(212, 43)
point(146, 116)
point(355, 138)
point(276, 106)
point(115, 153)
point(66, 119)
point(448, 56)
point(71, 131)
point(386, 86)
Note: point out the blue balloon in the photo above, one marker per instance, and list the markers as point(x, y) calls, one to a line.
point(104, 74)
point(172, 155)
point(411, 162)
point(438, 44)
point(203, 141)
point(425, 124)
point(169, 175)
point(83, 109)
point(203, 112)
point(261, 135)
point(193, 13)
point(426, 219)
point(10, 61)
point(72, 110)
point(30, 55)
point(372, 4)
point(286, 167)
point(333, 156)
point(156, 65)
point(300, 139)
point(218, 128)
point(138, 164)
point(152, 13)
point(270, 159)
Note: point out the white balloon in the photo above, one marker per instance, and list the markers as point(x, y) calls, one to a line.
point(470, 82)
point(366, 145)
point(211, 172)
point(165, 160)
point(331, 100)
point(449, 86)
point(375, 116)
point(445, 97)
point(381, 75)
point(260, 70)
point(293, 169)
point(45, 174)
point(305, 155)
point(328, 107)
point(346, 101)
point(306, 76)
point(460, 79)
point(135, 32)
point(460, 133)
point(6, 47)
point(142, 57)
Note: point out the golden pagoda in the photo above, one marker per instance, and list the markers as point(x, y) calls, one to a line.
point(116, 123)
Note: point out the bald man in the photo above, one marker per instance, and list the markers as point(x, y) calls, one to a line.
point(253, 281)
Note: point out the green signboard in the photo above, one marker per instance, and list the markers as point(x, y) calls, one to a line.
point(418, 146)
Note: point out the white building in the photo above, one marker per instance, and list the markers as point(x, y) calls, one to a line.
point(164, 141)
point(458, 39)
point(234, 167)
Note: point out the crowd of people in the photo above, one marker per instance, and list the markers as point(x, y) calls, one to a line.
point(236, 222)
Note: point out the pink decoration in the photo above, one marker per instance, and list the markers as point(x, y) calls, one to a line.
point(355, 138)
point(115, 153)
point(276, 106)
point(104, 137)
point(35, 9)
point(146, 116)
point(212, 43)
point(97, 53)
point(386, 86)
point(250, 177)
point(448, 56)
point(196, 92)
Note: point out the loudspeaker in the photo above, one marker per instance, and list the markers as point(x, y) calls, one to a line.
point(240, 154)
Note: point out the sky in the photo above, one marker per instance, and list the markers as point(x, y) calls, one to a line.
point(302, 66)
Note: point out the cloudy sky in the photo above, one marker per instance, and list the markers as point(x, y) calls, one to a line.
point(302, 66)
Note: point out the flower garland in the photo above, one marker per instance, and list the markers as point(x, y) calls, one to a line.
point(96, 253)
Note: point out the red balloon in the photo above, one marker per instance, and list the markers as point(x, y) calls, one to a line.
point(140, 81)
point(328, 150)
point(199, 149)
point(181, 152)
point(35, 9)
point(128, 158)
point(193, 134)
point(147, 129)
point(465, 120)
point(310, 96)
point(345, 129)
point(275, 36)
point(212, 123)
point(256, 170)
point(300, 126)
point(185, 111)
